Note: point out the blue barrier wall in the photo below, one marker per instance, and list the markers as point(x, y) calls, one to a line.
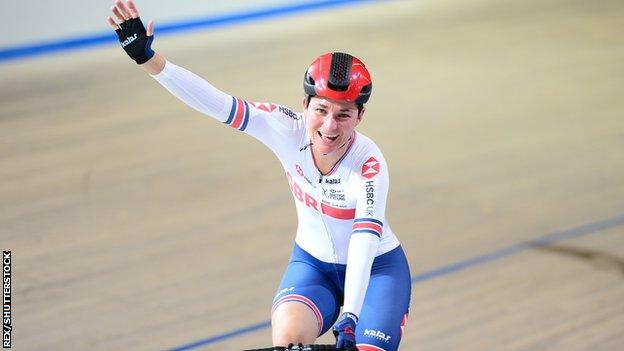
point(29, 22)
point(44, 27)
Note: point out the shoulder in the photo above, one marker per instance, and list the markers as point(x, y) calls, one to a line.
point(365, 148)
point(279, 114)
point(367, 159)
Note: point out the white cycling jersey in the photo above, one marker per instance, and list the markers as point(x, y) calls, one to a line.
point(332, 208)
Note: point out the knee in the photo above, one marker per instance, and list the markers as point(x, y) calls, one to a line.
point(294, 323)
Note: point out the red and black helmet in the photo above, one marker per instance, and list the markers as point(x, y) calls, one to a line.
point(338, 76)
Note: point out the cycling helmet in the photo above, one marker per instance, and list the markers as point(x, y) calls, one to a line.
point(338, 76)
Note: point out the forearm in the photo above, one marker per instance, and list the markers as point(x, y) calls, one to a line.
point(362, 251)
point(190, 88)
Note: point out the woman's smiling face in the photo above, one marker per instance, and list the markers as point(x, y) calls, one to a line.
point(331, 124)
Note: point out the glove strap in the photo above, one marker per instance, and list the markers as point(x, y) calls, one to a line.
point(349, 315)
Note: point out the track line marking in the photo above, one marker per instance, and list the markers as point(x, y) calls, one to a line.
point(109, 37)
point(548, 239)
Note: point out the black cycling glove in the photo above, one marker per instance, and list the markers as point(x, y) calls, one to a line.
point(134, 40)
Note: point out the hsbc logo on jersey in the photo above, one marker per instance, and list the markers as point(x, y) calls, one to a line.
point(288, 113)
point(370, 168)
point(370, 198)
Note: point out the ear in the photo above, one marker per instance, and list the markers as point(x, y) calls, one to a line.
point(361, 114)
point(306, 101)
point(359, 118)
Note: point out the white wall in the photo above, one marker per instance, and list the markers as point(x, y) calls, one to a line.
point(38, 21)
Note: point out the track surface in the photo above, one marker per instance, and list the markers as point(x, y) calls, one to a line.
point(136, 223)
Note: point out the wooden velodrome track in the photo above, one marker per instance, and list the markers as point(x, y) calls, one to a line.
point(138, 224)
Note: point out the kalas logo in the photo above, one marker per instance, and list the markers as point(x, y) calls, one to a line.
point(370, 168)
point(377, 335)
point(129, 40)
point(299, 170)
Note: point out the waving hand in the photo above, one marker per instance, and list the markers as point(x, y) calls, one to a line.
point(135, 39)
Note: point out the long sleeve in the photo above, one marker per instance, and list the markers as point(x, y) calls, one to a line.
point(194, 91)
point(362, 250)
point(367, 229)
point(274, 125)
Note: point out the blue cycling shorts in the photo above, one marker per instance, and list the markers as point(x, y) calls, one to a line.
point(320, 286)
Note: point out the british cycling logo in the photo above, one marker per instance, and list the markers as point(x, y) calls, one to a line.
point(333, 194)
point(370, 168)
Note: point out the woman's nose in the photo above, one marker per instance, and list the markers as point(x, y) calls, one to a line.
point(330, 122)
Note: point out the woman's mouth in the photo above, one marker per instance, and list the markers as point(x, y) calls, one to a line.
point(328, 138)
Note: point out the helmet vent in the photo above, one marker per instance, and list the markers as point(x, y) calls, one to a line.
point(308, 85)
point(340, 71)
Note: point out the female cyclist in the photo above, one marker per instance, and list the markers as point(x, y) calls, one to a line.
point(345, 254)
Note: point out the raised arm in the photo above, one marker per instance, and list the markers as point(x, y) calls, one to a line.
point(267, 122)
point(135, 39)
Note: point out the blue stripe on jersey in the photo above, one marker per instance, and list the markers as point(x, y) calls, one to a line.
point(232, 112)
point(245, 118)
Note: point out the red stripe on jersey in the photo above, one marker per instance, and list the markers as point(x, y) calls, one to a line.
point(368, 225)
point(403, 323)
point(338, 213)
point(240, 112)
